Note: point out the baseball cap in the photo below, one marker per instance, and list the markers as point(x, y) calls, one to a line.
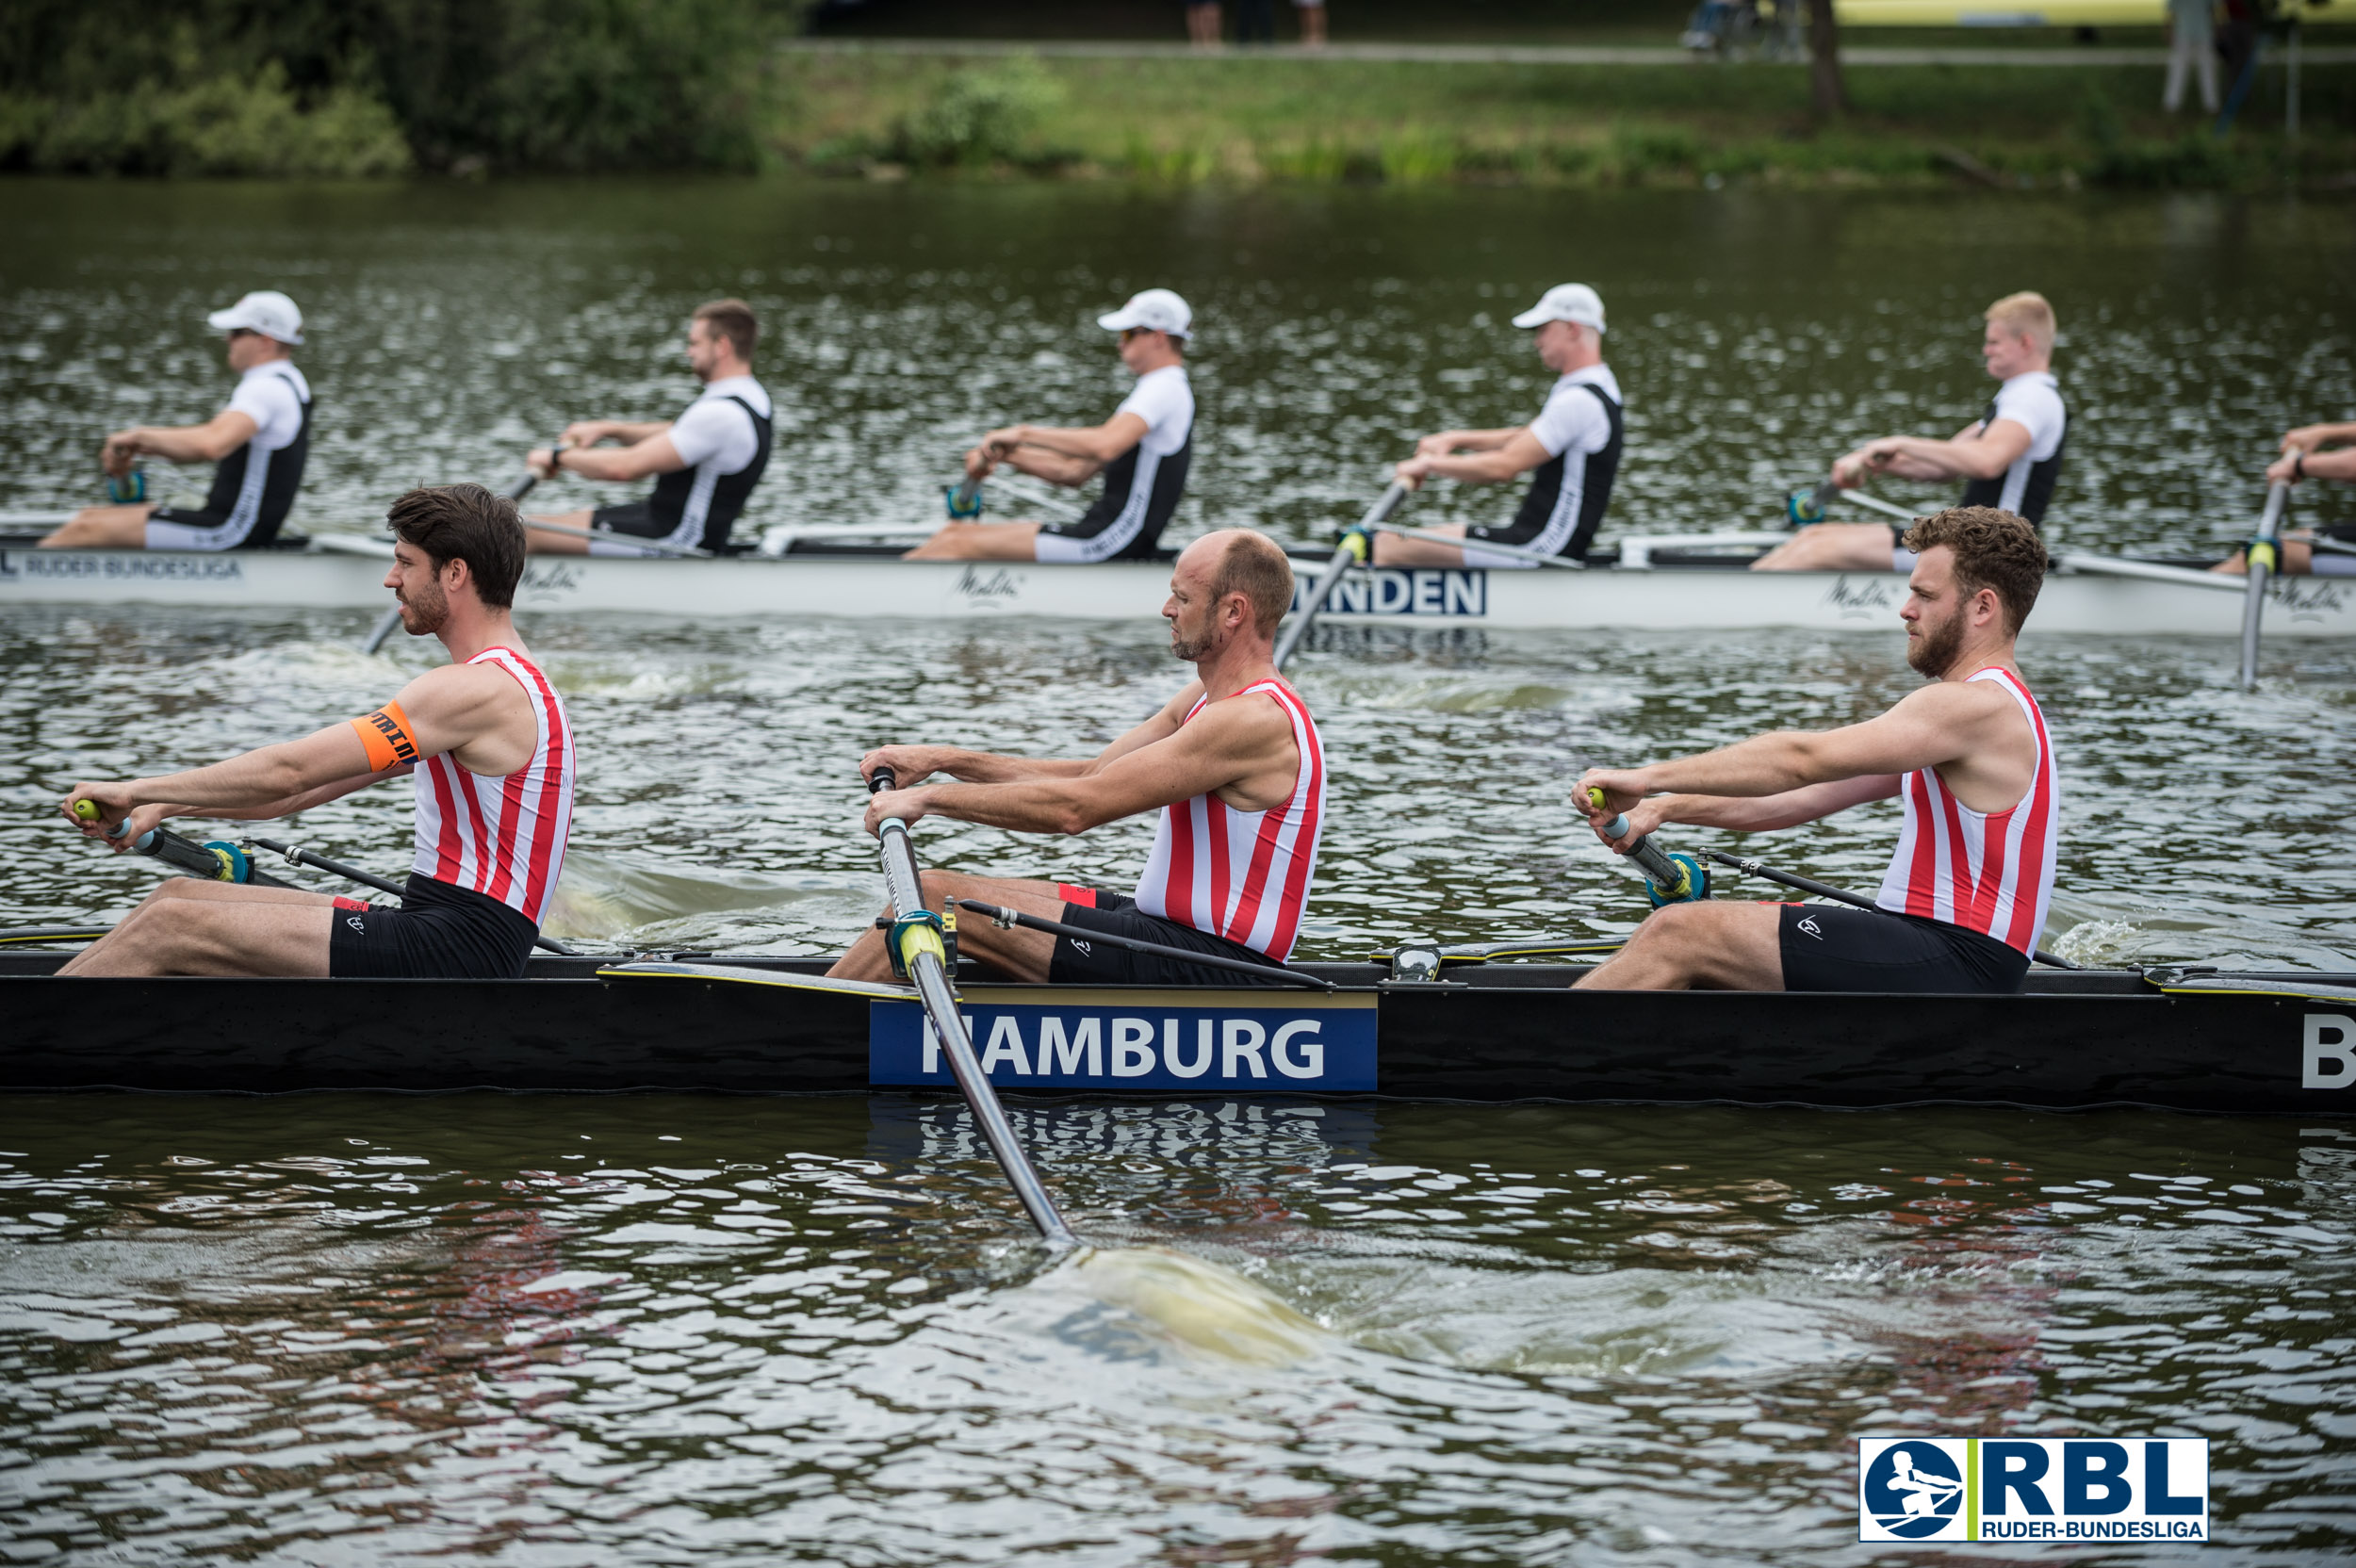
point(266, 311)
point(1566, 302)
point(1156, 308)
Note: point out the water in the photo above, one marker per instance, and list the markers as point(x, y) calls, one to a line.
point(553, 1331)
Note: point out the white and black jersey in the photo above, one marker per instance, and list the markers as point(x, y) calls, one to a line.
point(254, 488)
point(2033, 402)
point(1142, 486)
point(723, 439)
point(1581, 428)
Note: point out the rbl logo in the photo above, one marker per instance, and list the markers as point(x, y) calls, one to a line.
point(2072, 1488)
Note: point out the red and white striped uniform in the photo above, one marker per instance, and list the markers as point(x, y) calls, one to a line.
point(1990, 873)
point(1243, 875)
point(503, 838)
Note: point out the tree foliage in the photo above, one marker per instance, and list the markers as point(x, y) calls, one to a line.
point(367, 85)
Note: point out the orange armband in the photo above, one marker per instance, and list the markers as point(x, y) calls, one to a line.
point(385, 734)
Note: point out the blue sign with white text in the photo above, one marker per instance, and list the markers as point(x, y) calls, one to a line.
point(1442, 592)
point(1144, 1040)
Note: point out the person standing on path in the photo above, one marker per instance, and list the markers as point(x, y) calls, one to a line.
point(1573, 446)
point(1203, 23)
point(2192, 47)
point(1312, 15)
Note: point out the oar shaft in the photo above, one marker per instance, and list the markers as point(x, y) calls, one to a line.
point(1537, 558)
point(1810, 884)
point(905, 888)
point(2260, 562)
point(297, 854)
point(1350, 553)
point(650, 546)
point(1001, 915)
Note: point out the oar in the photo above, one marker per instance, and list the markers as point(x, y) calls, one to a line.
point(297, 856)
point(1039, 495)
point(915, 939)
point(1002, 917)
point(1537, 558)
point(1670, 878)
point(392, 618)
point(2261, 559)
point(210, 862)
point(1803, 507)
point(650, 546)
point(1810, 884)
point(1353, 549)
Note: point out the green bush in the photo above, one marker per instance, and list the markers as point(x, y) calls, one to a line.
point(224, 125)
point(980, 116)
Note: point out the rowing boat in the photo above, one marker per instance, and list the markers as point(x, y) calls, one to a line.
point(1668, 583)
point(1494, 1032)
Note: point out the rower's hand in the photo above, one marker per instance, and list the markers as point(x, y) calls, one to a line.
point(909, 766)
point(2284, 470)
point(540, 461)
point(114, 802)
point(1849, 472)
point(584, 433)
point(1413, 472)
point(1436, 445)
point(981, 461)
point(2306, 438)
point(1623, 794)
point(907, 805)
point(116, 456)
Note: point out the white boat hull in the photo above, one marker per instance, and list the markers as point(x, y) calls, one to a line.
point(1655, 600)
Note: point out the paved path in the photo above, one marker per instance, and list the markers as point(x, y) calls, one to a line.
point(1501, 54)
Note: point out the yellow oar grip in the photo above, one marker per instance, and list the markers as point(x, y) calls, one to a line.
point(1596, 794)
point(86, 809)
point(920, 938)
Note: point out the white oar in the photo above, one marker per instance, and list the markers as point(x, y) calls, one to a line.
point(916, 941)
point(639, 543)
point(1354, 547)
point(1537, 558)
point(1039, 495)
point(2261, 557)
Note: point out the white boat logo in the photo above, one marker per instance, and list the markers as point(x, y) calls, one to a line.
point(1859, 597)
point(552, 579)
point(2307, 599)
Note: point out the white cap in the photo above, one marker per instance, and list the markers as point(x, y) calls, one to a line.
point(1156, 308)
point(266, 311)
point(1566, 302)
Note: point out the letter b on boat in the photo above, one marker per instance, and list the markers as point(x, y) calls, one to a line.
point(2330, 1052)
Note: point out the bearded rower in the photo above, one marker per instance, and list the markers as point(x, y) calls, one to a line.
point(492, 754)
point(257, 445)
point(704, 464)
point(1231, 762)
point(1968, 890)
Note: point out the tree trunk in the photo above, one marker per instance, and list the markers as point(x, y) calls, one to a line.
point(1824, 67)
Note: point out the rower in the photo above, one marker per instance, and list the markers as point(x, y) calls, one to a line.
point(1968, 890)
point(2311, 451)
point(708, 459)
point(2009, 458)
point(1574, 445)
point(1142, 451)
point(492, 755)
point(257, 445)
point(1231, 762)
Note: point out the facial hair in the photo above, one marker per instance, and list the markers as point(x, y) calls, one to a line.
point(425, 614)
point(1935, 651)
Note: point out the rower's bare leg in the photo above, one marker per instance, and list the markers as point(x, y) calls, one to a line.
point(1015, 952)
point(1392, 551)
point(103, 528)
point(964, 541)
point(541, 542)
point(1707, 946)
point(1831, 547)
point(190, 927)
point(2298, 559)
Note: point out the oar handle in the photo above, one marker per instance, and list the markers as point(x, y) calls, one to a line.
point(1672, 882)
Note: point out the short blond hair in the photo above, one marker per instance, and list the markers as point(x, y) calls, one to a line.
point(2030, 314)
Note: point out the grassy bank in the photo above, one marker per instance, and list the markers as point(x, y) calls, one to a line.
point(1249, 120)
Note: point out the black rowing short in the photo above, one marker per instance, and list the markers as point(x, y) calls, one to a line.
point(1829, 948)
point(632, 518)
point(439, 932)
point(1080, 962)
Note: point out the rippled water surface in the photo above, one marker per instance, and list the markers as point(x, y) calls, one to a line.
point(561, 1330)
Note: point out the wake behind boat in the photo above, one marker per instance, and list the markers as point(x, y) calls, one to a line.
point(1658, 582)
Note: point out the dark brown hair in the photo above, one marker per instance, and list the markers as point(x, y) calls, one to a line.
point(1254, 565)
point(1993, 549)
point(466, 522)
point(733, 320)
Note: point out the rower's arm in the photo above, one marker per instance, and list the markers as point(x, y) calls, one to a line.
point(911, 765)
point(1765, 813)
point(652, 454)
point(1984, 455)
point(1229, 743)
point(1519, 452)
point(210, 442)
point(1096, 444)
point(148, 816)
point(1441, 443)
point(2308, 438)
point(1932, 724)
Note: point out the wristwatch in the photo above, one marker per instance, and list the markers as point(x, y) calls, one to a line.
point(2298, 467)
